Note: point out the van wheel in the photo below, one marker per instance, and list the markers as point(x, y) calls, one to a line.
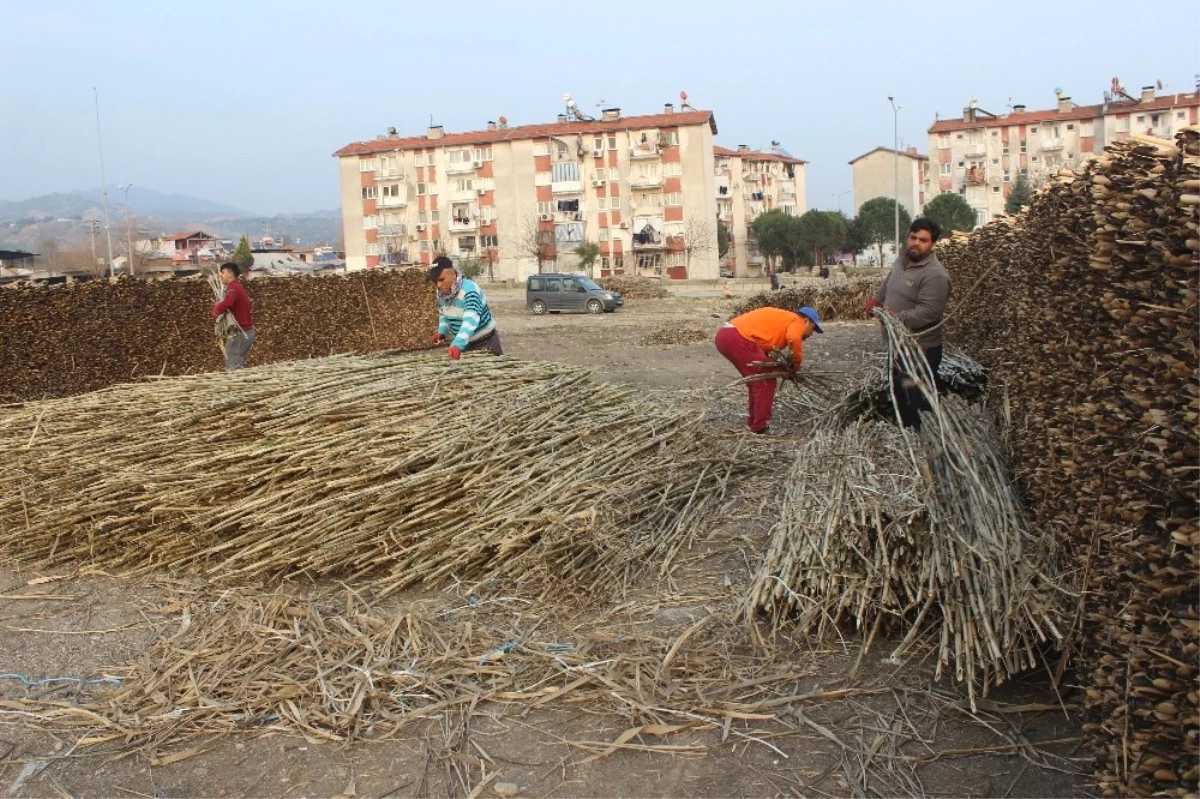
point(595, 306)
point(538, 307)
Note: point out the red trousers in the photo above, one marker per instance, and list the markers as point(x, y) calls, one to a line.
point(741, 351)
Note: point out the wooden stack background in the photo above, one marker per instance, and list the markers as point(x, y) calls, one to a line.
point(65, 340)
point(1087, 317)
point(836, 298)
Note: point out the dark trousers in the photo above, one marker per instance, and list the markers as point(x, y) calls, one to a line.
point(490, 342)
point(741, 352)
point(909, 399)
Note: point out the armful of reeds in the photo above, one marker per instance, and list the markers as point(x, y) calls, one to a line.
point(780, 364)
point(225, 325)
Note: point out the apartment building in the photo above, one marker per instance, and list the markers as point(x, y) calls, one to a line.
point(884, 172)
point(981, 154)
point(748, 183)
point(522, 199)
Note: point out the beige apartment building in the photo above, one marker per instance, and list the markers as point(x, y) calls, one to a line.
point(748, 183)
point(980, 155)
point(522, 199)
point(884, 172)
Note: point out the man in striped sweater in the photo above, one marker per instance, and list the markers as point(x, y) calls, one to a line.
point(464, 318)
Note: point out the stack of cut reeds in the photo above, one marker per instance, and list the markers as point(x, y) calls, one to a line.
point(391, 470)
point(834, 299)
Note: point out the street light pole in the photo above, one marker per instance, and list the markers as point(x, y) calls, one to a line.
point(128, 226)
point(896, 168)
point(839, 195)
point(103, 184)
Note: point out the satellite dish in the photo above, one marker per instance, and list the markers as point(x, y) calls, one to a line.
point(503, 120)
point(567, 98)
point(683, 96)
point(570, 103)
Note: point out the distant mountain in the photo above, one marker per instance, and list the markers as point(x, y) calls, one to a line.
point(89, 204)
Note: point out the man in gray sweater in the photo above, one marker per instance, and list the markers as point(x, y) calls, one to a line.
point(915, 292)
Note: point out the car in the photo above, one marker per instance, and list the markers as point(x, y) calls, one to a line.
point(554, 292)
point(726, 272)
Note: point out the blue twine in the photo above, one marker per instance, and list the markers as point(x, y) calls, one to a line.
point(502, 649)
point(48, 680)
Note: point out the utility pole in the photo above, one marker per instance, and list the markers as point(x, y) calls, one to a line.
point(103, 185)
point(896, 170)
point(128, 225)
point(91, 226)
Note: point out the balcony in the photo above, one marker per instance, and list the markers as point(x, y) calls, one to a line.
point(464, 196)
point(976, 151)
point(392, 173)
point(460, 224)
point(392, 202)
point(750, 176)
point(460, 168)
point(1051, 145)
point(645, 181)
point(976, 177)
point(646, 150)
point(723, 189)
point(392, 230)
point(648, 241)
point(566, 187)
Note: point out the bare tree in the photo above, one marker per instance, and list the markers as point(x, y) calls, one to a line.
point(533, 238)
point(699, 238)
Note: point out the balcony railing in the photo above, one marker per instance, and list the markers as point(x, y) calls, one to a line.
point(1051, 144)
point(460, 168)
point(462, 224)
point(645, 181)
point(392, 230)
point(566, 187)
point(393, 202)
point(647, 150)
point(976, 177)
point(389, 174)
point(643, 241)
point(976, 150)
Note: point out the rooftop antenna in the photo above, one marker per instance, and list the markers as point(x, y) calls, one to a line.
point(683, 103)
point(573, 109)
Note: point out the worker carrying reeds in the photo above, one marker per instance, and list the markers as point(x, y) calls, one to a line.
point(915, 292)
point(464, 318)
point(746, 342)
point(237, 302)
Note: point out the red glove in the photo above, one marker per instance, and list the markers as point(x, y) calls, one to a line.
point(455, 353)
point(872, 304)
point(438, 338)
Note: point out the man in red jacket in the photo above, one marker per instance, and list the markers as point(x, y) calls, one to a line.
point(236, 302)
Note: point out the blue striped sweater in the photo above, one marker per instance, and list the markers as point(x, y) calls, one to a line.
point(466, 317)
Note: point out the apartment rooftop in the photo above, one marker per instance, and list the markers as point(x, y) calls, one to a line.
point(1065, 111)
point(611, 122)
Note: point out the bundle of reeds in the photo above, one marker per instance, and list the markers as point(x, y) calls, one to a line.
point(225, 325)
point(835, 299)
point(391, 470)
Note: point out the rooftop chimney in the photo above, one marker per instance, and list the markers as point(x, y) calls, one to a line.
point(910, 150)
point(1018, 109)
point(392, 134)
point(1065, 105)
point(491, 124)
point(610, 113)
point(562, 117)
point(1147, 94)
point(742, 148)
point(968, 114)
point(435, 131)
point(669, 108)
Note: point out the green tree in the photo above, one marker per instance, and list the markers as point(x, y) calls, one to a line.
point(470, 267)
point(242, 256)
point(588, 252)
point(722, 238)
point(1020, 195)
point(856, 242)
point(822, 232)
point(952, 212)
point(779, 235)
point(877, 222)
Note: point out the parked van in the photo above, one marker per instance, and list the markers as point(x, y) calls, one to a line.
point(554, 292)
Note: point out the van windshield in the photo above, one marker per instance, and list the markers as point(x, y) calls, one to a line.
point(589, 284)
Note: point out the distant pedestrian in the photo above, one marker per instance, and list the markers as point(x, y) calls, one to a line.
point(464, 318)
point(237, 302)
point(746, 339)
point(774, 280)
point(915, 291)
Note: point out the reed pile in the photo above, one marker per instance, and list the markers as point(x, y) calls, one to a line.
point(835, 299)
point(880, 524)
point(1088, 320)
point(636, 288)
point(389, 470)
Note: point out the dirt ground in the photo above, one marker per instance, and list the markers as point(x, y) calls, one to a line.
point(895, 732)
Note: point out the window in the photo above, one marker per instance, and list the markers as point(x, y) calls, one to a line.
point(995, 160)
point(541, 148)
point(391, 190)
point(1122, 124)
point(432, 158)
point(366, 165)
point(945, 169)
point(459, 156)
point(541, 178)
point(647, 261)
point(465, 184)
point(995, 133)
point(612, 141)
point(962, 164)
point(564, 171)
point(1085, 128)
point(604, 262)
point(1023, 145)
point(603, 234)
point(674, 198)
point(489, 242)
point(483, 154)
point(370, 222)
point(959, 137)
point(1179, 115)
point(368, 192)
point(433, 215)
point(372, 248)
point(600, 173)
point(1004, 149)
point(422, 217)
point(420, 189)
point(466, 244)
point(1033, 158)
point(1141, 118)
point(545, 208)
point(601, 204)
point(614, 203)
point(1033, 129)
point(673, 169)
point(943, 142)
point(1007, 176)
point(614, 174)
point(1070, 127)
point(424, 245)
point(995, 189)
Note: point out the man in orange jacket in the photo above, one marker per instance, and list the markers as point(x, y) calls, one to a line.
point(749, 337)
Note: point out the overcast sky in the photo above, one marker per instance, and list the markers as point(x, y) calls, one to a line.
point(244, 102)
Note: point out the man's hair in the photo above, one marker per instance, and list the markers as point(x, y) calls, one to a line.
point(439, 264)
point(925, 223)
point(231, 267)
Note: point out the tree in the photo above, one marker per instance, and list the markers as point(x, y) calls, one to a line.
point(877, 222)
point(951, 212)
point(856, 242)
point(1020, 195)
point(470, 267)
point(699, 237)
point(779, 236)
point(587, 252)
point(242, 256)
point(722, 238)
point(533, 239)
point(822, 232)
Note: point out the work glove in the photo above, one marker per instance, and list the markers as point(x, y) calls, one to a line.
point(438, 338)
point(872, 304)
point(455, 353)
